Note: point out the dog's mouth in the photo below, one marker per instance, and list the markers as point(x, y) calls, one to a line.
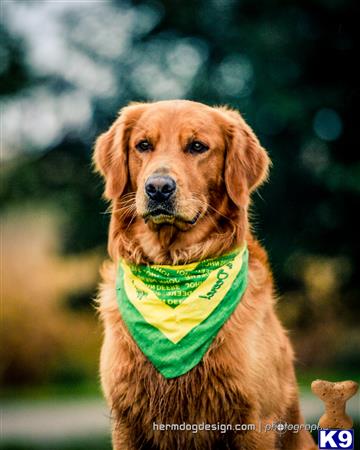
point(163, 216)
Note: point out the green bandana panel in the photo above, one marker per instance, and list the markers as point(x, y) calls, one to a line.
point(175, 312)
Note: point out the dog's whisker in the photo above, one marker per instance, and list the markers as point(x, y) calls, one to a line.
point(124, 208)
point(131, 221)
point(126, 211)
point(125, 203)
point(128, 201)
point(108, 210)
point(207, 205)
point(128, 195)
point(202, 203)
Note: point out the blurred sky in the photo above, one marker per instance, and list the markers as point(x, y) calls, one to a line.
point(87, 47)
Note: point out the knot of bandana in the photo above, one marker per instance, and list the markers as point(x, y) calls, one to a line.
point(174, 312)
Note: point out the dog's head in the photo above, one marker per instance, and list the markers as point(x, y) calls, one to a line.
point(178, 166)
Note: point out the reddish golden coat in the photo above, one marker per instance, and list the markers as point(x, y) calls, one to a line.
point(247, 375)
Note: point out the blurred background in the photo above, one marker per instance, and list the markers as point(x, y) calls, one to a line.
point(66, 68)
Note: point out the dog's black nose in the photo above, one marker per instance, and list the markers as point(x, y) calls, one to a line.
point(160, 187)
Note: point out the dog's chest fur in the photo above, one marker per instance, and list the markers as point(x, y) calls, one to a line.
point(144, 400)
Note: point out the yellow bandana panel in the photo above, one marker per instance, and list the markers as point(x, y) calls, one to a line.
point(176, 322)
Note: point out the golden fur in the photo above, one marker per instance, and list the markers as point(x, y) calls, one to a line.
point(247, 375)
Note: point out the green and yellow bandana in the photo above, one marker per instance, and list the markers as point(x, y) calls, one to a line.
point(174, 312)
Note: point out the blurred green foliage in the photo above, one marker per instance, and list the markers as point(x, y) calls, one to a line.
point(288, 66)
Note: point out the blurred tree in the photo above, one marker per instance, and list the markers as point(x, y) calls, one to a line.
point(13, 72)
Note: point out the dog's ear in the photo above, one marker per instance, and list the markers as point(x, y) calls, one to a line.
point(247, 163)
point(111, 151)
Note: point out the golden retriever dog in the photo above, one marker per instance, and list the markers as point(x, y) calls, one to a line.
point(207, 161)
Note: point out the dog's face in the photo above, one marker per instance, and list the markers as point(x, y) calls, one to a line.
point(176, 163)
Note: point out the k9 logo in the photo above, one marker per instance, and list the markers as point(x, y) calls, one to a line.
point(338, 439)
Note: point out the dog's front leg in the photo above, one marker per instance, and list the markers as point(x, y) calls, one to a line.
point(121, 437)
point(300, 440)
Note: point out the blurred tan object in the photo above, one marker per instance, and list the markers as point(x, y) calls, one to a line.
point(39, 333)
point(335, 396)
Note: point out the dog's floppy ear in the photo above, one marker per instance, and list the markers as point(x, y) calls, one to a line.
point(111, 151)
point(247, 163)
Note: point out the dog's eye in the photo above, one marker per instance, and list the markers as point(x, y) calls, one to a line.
point(143, 146)
point(197, 147)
